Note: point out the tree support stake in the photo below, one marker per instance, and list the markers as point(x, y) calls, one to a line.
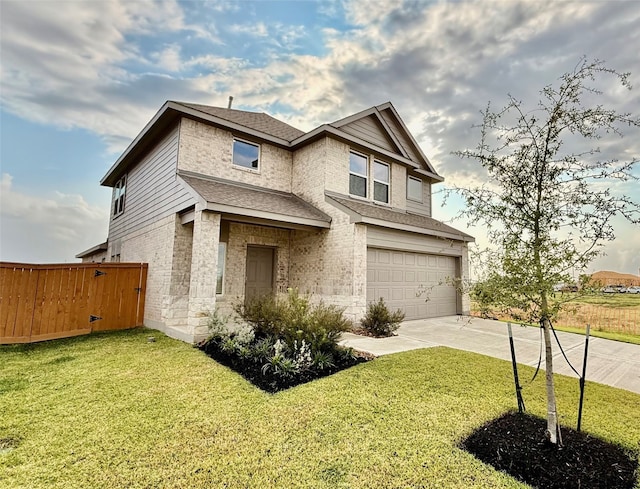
point(521, 407)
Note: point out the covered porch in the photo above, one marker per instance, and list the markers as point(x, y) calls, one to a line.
point(240, 247)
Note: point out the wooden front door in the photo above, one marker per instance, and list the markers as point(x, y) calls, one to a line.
point(259, 279)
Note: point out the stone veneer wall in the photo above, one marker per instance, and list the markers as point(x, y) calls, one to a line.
point(154, 244)
point(329, 264)
point(209, 150)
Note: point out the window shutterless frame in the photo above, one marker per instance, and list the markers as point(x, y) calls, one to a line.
point(358, 174)
point(414, 189)
point(119, 192)
point(246, 154)
point(222, 258)
point(381, 179)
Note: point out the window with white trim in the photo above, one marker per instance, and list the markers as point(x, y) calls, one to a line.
point(119, 191)
point(414, 189)
point(381, 176)
point(246, 154)
point(222, 254)
point(358, 174)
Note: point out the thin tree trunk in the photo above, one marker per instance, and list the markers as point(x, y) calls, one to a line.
point(553, 428)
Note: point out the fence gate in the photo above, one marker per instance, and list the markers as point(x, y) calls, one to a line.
point(44, 302)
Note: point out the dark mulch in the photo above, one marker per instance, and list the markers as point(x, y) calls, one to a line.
point(366, 332)
point(515, 443)
point(271, 382)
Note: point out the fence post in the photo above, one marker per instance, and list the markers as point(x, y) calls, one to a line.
point(584, 373)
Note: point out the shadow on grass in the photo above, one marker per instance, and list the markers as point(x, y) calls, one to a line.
point(515, 443)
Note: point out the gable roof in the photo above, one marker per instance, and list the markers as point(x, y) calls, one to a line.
point(240, 199)
point(94, 249)
point(391, 138)
point(370, 213)
point(380, 130)
point(259, 121)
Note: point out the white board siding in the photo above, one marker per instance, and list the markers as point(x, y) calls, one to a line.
point(416, 283)
point(153, 192)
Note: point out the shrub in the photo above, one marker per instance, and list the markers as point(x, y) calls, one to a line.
point(279, 343)
point(295, 319)
point(379, 321)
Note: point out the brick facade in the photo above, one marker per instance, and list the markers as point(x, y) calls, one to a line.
point(153, 244)
point(330, 264)
point(240, 236)
point(209, 150)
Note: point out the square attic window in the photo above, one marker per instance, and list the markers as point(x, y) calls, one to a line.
point(246, 154)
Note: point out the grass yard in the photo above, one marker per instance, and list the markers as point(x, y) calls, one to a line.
point(113, 410)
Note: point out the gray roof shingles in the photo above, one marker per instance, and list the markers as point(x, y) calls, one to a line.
point(245, 196)
point(396, 216)
point(257, 121)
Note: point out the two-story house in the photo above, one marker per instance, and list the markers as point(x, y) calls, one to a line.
point(225, 205)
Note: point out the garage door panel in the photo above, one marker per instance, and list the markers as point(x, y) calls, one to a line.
point(412, 282)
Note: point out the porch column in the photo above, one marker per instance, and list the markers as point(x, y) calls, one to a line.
point(204, 261)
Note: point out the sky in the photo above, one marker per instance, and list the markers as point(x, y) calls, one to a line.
point(80, 79)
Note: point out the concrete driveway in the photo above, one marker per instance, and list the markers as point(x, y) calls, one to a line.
point(609, 362)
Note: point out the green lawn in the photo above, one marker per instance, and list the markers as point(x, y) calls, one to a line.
point(113, 410)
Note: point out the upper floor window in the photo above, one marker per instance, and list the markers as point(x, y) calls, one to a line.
point(414, 189)
point(381, 182)
point(246, 154)
point(119, 192)
point(358, 174)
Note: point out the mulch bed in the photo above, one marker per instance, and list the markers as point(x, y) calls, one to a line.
point(271, 382)
point(515, 443)
point(364, 332)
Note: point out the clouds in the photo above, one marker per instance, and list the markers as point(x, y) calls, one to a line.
point(108, 66)
point(63, 61)
point(50, 228)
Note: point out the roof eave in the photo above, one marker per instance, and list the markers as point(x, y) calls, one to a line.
point(218, 121)
point(168, 113)
point(93, 249)
point(295, 221)
point(116, 170)
point(416, 229)
point(329, 130)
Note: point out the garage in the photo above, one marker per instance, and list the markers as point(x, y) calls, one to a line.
point(399, 277)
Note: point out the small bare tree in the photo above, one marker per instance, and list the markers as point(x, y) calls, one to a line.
point(547, 203)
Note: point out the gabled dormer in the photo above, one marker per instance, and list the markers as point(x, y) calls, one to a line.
point(372, 156)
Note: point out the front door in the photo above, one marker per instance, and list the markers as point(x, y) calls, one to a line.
point(259, 280)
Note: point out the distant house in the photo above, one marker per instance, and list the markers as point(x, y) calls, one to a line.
point(96, 254)
point(606, 277)
point(226, 205)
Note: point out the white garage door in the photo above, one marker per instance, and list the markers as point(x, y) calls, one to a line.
point(399, 277)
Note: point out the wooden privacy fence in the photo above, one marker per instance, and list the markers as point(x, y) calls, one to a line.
point(44, 302)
